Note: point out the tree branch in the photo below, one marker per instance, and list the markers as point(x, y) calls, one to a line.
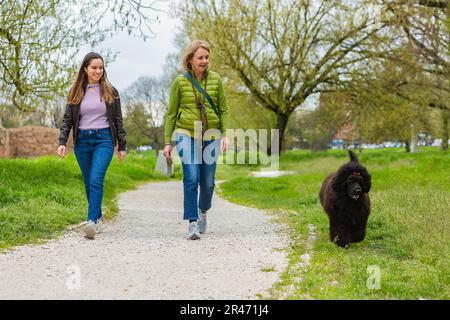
point(441, 4)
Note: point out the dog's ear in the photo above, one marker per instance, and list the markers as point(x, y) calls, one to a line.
point(367, 181)
point(338, 183)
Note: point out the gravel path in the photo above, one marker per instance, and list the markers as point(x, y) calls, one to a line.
point(144, 254)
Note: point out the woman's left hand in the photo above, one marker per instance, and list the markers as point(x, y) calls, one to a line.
point(121, 155)
point(224, 143)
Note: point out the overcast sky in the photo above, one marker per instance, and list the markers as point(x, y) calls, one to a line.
point(135, 57)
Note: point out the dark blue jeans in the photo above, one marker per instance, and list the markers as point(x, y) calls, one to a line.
point(199, 169)
point(94, 150)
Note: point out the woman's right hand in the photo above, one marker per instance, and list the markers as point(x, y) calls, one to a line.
point(61, 151)
point(168, 151)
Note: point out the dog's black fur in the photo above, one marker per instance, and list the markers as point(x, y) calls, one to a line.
point(344, 197)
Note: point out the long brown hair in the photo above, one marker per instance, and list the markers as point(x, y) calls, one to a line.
point(78, 88)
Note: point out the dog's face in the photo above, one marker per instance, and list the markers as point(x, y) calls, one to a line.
point(354, 185)
point(353, 181)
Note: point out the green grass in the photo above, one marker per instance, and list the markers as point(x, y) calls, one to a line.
point(408, 230)
point(40, 197)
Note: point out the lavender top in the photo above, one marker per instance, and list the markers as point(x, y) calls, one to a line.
point(93, 110)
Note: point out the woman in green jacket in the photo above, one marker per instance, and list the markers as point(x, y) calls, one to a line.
point(197, 123)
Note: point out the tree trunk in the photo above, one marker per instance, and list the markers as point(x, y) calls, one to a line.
point(407, 149)
point(282, 121)
point(413, 146)
point(445, 118)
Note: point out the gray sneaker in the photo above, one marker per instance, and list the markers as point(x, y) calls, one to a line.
point(202, 222)
point(90, 230)
point(193, 233)
point(99, 226)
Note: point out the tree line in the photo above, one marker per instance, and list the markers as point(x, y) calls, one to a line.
point(379, 67)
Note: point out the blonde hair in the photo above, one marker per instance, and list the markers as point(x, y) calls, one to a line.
point(191, 50)
point(76, 92)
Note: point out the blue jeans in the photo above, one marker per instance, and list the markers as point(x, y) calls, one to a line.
point(199, 169)
point(94, 150)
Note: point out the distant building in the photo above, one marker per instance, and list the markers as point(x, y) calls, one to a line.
point(346, 137)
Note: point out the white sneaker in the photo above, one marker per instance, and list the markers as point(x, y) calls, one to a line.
point(90, 230)
point(193, 233)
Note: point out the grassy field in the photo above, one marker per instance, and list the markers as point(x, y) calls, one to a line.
point(40, 197)
point(407, 239)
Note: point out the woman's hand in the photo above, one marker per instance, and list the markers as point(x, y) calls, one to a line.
point(121, 155)
point(224, 143)
point(61, 151)
point(168, 151)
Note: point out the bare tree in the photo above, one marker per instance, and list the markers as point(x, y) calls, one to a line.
point(145, 103)
point(39, 40)
point(152, 94)
point(425, 25)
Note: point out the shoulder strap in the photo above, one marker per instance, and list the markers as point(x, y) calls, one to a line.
point(188, 76)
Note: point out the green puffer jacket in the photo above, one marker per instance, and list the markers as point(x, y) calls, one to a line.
point(183, 111)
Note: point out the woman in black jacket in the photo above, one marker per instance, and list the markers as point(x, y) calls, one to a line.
point(93, 113)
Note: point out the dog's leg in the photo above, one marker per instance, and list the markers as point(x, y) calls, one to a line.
point(359, 230)
point(340, 234)
point(358, 234)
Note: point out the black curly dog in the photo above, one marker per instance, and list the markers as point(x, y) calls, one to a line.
point(344, 197)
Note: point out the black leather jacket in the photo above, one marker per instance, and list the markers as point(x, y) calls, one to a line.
point(114, 113)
